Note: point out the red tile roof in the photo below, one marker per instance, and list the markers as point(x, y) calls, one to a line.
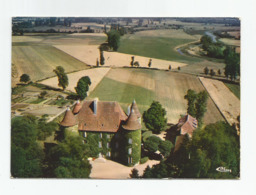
point(187, 125)
point(132, 122)
point(69, 119)
point(77, 107)
point(108, 116)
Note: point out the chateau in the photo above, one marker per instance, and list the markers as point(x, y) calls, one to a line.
point(107, 129)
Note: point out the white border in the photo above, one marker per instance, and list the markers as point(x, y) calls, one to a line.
point(170, 8)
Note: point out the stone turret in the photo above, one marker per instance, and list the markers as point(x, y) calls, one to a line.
point(132, 122)
point(136, 110)
point(77, 107)
point(132, 140)
point(69, 119)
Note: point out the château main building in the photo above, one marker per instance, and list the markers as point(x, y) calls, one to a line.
point(107, 129)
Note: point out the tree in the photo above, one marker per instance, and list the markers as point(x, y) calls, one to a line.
point(113, 39)
point(197, 104)
point(170, 67)
point(206, 41)
point(178, 67)
point(155, 117)
point(102, 59)
point(149, 63)
point(135, 173)
point(165, 148)
point(219, 72)
point(26, 154)
point(214, 146)
point(137, 64)
point(24, 78)
point(82, 87)
point(191, 97)
point(152, 143)
point(232, 61)
point(132, 62)
point(212, 73)
point(206, 70)
point(62, 77)
point(201, 106)
point(68, 159)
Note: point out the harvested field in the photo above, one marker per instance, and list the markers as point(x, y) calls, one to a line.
point(225, 100)
point(124, 85)
point(89, 54)
point(232, 42)
point(113, 170)
point(95, 74)
point(39, 61)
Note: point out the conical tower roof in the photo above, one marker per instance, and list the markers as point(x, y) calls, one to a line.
point(136, 109)
point(132, 122)
point(77, 107)
point(69, 119)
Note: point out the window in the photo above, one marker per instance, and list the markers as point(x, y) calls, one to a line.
point(108, 136)
point(100, 145)
point(85, 134)
point(130, 140)
point(109, 154)
point(130, 151)
point(129, 160)
point(107, 145)
point(100, 135)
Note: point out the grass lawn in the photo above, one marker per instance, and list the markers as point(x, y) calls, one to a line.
point(234, 88)
point(155, 47)
point(166, 87)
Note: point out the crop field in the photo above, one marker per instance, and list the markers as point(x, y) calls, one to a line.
point(124, 85)
point(232, 42)
point(39, 61)
point(90, 53)
point(35, 55)
point(226, 101)
point(159, 44)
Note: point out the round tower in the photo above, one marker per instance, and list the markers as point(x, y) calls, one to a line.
point(69, 121)
point(136, 110)
point(132, 140)
point(77, 107)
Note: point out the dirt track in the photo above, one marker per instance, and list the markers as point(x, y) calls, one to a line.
point(90, 53)
point(113, 170)
point(225, 100)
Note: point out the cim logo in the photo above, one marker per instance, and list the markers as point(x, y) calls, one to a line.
point(223, 170)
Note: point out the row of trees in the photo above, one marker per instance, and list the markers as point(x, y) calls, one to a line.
point(211, 72)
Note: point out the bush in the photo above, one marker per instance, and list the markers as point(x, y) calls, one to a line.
point(144, 160)
point(146, 135)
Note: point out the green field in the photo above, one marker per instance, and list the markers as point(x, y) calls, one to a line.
point(168, 88)
point(154, 47)
point(234, 88)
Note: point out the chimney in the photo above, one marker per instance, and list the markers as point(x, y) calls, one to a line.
point(95, 102)
point(128, 110)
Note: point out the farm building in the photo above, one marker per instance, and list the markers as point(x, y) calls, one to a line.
point(107, 129)
point(185, 127)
